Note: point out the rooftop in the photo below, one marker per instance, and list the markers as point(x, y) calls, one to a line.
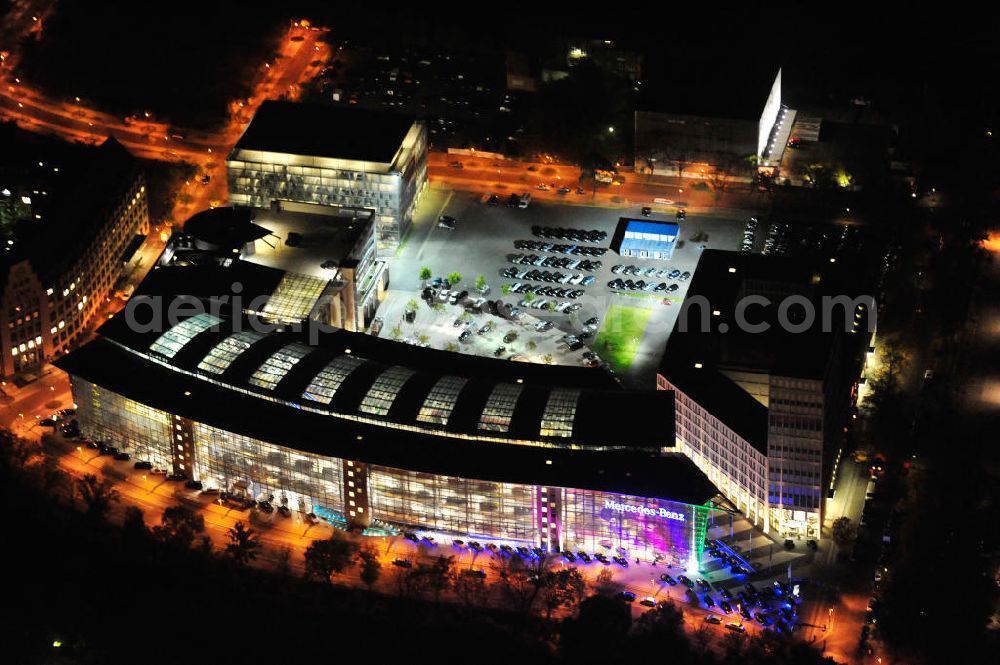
point(639, 234)
point(713, 343)
point(224, 228)
point(51, 189)
point(321, 130)
point(348, 396)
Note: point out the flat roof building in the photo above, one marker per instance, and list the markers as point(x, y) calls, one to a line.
point(328, 155)
point(71, 217)
point(643, 239)
point(301, 261)
point(762, 389)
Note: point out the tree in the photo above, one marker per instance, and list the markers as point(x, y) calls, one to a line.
point(439, 575)
point(480, 282)
point(605, 584)
point(529, 297)
point(243, 544)
point(470, 589)
point(548, 359)
point(519, 581)
point(97, 495)
point(844, 531)
point(661, 630)
point(451, 346)
point(454, 278)
point(505, 289)
point(411, 305)
point(396, 333)
point(134, 525)
point(598, 633)
point(179, 527)
point(371, 567)
point(425, 274)
point(325, 558)
point(423, 339)
point(532, 345)
point(563, 588)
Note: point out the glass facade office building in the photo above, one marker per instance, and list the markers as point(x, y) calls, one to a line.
point(325, 155)
point(334, 488)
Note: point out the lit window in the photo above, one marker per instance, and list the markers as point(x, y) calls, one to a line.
point(383, 392)
point(325, 384)
point(560, 411)
point(172, 341)
point(278, 365)
point(440, 400)
point(293, 298)
point(499, 407)
point(225, 352)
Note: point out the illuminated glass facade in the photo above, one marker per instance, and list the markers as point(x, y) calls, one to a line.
point(225, 352)
point(441, 400)
point(278, 365)
point(383, 392)
point(560, 411)
point(306, 482)
point(390, 190)
point(294, 298)
point(175, 339)
point(500, 407)
point(325, 384)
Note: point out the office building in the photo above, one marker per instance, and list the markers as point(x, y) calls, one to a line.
point(762, 411)
point(70, 218)
point(329, 155)
point(379, 437)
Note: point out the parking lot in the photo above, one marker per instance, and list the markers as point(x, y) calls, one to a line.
point(633, 322)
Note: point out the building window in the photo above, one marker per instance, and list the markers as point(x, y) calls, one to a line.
point(278, 365)
point(325, 384)
point(560, 411)
point(441, 400)
point(225, 352)
point(383, 392)
point(499, 407)
point(172, 341)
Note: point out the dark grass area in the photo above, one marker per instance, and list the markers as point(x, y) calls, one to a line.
point(183, 60)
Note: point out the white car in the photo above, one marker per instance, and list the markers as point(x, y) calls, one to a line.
point(576, 279)
point(563, 306)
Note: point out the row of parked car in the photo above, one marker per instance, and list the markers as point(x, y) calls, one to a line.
point(547, 291)
point(537, 246)
point(551, 277)
point(748, 232)
point(637, 271)
point(555, 262)
point(593, 235)
point(640, 285)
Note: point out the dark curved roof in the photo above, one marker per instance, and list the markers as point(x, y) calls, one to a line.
point(239, 359)
point(159, 384)
point(224, 227)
